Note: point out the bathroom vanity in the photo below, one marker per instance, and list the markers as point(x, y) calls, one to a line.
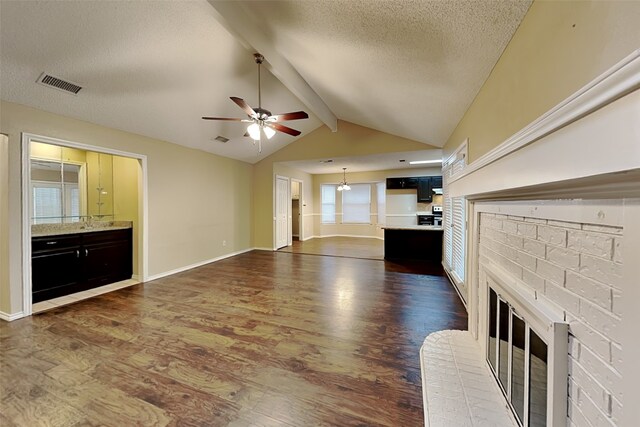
point(69, 259)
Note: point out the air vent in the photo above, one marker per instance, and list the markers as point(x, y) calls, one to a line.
point(56, 83)
point(221, 139)
point(326, 161)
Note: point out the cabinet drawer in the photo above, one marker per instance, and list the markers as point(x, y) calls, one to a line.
point(50, 243)
point(106, 236)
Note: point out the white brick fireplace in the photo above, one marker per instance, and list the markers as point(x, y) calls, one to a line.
point(554, 214)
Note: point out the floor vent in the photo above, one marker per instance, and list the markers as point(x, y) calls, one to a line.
point(221, 139)
point(56, 83)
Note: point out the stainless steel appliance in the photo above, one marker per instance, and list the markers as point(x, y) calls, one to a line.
point(436, 210)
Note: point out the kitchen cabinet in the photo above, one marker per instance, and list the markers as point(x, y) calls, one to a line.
point(425, 195)
point(65, 264)
point(436, 182)
point(401, 183)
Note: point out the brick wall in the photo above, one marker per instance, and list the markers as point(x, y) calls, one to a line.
point(577, 267)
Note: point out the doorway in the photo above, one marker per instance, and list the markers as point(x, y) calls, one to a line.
point(86, 194)
point(296, 232)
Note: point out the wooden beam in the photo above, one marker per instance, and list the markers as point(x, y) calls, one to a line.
point(236, 20)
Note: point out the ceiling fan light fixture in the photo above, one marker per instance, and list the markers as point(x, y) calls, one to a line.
point(269, 132)
point(254, 131)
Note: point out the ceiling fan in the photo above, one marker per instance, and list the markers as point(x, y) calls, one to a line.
point(261, 120)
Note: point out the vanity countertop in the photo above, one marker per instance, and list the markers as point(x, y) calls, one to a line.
point(41, 230)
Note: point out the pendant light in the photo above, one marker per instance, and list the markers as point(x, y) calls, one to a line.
point(343, 185)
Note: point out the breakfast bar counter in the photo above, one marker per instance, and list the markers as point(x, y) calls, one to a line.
point(422, 242)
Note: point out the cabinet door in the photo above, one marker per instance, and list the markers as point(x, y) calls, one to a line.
point(411, 182)
point(424, 190)
point(106, 263)
point(436, 182)
point(394, 183)
point(55, 273)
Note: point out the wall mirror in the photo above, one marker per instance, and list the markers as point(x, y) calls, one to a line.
point(70, 185)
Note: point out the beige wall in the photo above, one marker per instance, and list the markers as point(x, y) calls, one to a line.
point(350, 140)
point(195, 199)
point(5, 304)
point(559, 47)
point(365, 230)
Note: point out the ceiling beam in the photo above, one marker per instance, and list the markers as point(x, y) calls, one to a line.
point(236, 20)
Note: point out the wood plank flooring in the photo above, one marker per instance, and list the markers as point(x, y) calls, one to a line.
point(260, 339)
point(353, 247)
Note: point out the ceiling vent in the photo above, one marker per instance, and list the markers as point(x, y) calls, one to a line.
point(56, 83)
point(221, 139)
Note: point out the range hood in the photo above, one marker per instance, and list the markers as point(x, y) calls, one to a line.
point(437, 190)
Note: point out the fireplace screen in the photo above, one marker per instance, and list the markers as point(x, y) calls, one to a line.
point(518, 358)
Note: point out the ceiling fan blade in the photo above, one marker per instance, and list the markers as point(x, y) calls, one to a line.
point(297, 115)
point(229, 119)
point(284, 129)
point(245, 107)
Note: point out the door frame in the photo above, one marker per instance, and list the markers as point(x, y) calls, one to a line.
point(300, 215)
point(275, 209)
point(27, 138)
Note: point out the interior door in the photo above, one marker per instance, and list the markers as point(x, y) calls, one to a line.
point(282, 211)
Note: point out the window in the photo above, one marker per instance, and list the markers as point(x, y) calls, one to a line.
point(47, 202)
point(356, 204)
point(382, 204)
point(328, 195)
point(454, 221)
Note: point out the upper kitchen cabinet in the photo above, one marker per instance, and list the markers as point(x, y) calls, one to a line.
point(425, 195)
point(436, 182)
point(401, 183)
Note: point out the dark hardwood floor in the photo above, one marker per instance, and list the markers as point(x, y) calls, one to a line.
point(260, 339)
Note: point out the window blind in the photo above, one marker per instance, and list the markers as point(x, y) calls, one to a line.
point(328, 195)
point(356, 204)
point(454, 222)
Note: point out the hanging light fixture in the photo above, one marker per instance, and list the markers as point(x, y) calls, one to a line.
point(343, 185)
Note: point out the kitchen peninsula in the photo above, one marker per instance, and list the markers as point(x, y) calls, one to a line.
point(423, 242)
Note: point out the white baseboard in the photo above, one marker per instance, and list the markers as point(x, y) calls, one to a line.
point(11, 317)
point(348, 235)
point(197, 264)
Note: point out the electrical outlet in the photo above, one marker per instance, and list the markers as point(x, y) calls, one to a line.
point(224, 243)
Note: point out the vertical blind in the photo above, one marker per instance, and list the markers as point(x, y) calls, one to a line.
point(356, 204)
point(454, 222)
point(328, 195)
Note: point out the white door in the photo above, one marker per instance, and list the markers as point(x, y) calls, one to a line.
point(282, 211)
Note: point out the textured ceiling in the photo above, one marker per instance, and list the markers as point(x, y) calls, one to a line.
point(408, 68)
point(152, 68)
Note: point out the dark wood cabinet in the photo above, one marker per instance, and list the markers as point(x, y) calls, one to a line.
point(62, 265)
point(413, 244)
point(424, 185)
point(425, 195)
point(401, 183)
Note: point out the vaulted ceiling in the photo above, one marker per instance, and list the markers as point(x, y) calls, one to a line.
point(409, 68)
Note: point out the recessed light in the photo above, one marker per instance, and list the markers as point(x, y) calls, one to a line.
point(424, 162)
